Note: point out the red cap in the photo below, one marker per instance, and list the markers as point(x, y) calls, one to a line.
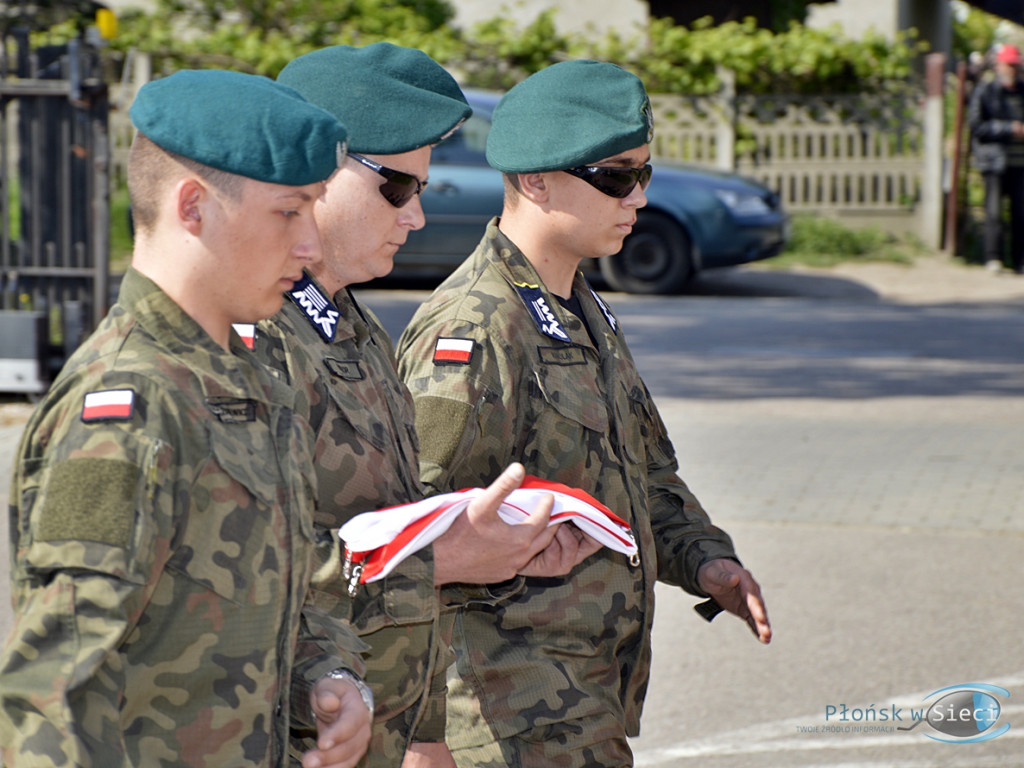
point(1009, 54)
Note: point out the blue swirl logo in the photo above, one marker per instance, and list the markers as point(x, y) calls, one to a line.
point(963, 714)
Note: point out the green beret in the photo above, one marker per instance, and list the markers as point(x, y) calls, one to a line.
point(243, 124)
point(391, 99)
point(569, 114)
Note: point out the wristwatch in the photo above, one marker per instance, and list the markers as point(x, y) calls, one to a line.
point(364, 689)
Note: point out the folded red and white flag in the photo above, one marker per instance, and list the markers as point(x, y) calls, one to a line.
point(375, 542)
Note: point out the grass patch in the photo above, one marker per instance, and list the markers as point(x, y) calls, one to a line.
point(823, 242)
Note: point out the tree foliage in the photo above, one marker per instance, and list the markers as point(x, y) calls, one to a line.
point(261, 36)
point(974, 31)
point(679, 59)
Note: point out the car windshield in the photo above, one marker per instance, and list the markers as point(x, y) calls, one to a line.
point(466, 146)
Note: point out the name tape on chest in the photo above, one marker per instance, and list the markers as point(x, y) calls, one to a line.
point(320, 311)
point(232, 410)
point(108, 405)
point(453, 351)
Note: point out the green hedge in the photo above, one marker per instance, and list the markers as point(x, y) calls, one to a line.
point(261, 37)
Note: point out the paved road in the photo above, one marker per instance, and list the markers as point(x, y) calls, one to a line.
point(868, 459)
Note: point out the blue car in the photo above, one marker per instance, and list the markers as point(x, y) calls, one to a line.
point(695, 218)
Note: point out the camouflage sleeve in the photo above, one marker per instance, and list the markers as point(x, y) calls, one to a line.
point(324, 644)
point(684, 534)
point(325, 641)
point(465, 412)
point(91, 522)
point(465, 419)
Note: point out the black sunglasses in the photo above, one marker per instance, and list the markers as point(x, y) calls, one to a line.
point(399, 188)
point(613, 180)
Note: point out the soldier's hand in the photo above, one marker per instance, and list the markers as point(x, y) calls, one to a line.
point(481, 548)
point(733, 587)
point(342, 724)
point(569, 548)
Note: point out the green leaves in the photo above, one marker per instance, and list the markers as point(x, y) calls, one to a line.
point(261, 36)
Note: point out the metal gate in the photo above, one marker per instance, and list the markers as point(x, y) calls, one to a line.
point(54, 206)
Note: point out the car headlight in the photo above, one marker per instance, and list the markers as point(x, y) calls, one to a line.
point(743, 204)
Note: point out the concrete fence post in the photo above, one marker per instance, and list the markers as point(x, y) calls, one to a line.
point(930, 220)
point(725, 138)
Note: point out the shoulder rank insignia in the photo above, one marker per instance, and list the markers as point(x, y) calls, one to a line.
point(608, 316)
point(448, 350)
point(247, 332)
point(535, 301)
point(321, 312)
point(109, 405)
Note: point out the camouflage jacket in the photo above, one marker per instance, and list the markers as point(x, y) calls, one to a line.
point(341, 361)
point(161, 545)
point(499, 371)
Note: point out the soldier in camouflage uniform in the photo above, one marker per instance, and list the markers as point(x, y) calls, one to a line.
point(161, 507)
point(396, 103)
point(515, 357)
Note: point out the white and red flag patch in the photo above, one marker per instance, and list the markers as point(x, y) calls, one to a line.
point(449, 350)
point(247, 332)
point(110, 404)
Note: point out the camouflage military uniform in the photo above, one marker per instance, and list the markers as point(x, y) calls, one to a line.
point(366, 458)
point(161, 556)
point(557, 674)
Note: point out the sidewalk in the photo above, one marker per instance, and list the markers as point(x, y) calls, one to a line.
point(934, 279)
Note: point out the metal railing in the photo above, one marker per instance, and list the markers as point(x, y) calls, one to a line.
point(54, 198)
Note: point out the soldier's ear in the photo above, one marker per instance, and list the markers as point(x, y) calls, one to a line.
point(534, 186)
point(189, 196)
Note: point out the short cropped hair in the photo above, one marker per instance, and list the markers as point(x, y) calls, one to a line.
point(150, 167)
point(512, 190)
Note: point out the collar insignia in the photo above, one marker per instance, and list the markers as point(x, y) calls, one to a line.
point(321, 312)
point(534, 299)
point(608, 316)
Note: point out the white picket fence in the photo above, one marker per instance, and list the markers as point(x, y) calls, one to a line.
point(839, 157)
point(865, 160)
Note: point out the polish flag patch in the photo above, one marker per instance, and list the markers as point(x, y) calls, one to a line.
point(109, 405)
point(247, 332)
point(453, 351)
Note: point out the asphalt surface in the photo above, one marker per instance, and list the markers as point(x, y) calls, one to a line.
point(861, 436)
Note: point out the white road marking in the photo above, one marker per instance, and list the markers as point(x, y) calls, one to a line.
point(784, 736)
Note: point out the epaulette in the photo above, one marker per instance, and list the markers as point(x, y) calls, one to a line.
point(320, 311)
